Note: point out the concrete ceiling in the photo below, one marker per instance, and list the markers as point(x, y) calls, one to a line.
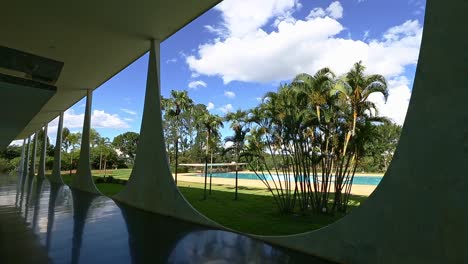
point(94, 39)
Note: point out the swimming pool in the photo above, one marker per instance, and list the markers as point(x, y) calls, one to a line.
point(359, 180)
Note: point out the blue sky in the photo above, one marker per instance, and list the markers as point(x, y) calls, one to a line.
point(239, 50)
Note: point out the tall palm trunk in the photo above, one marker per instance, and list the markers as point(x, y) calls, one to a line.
point(317, 108)
point(176, 158)
point(237, 161)
point(176, 149)
point(354, 121)
point(211, 169)
point(206, 164)
point(100, 160)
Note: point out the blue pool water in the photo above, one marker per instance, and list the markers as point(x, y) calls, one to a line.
point(360, 180)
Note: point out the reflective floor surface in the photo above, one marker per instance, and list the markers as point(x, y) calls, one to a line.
point(41, 222)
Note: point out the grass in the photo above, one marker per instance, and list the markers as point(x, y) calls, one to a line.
point(254, 211)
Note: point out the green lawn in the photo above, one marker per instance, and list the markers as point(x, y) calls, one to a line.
point(254, 211)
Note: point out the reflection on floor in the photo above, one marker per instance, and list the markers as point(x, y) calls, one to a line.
point(42, 222)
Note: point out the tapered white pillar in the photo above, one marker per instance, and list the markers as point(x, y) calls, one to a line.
point(56, 177)
point(32, 166)
point(23, 154)
point(26, 159)
point(151, 186)
point(42, 159)
point(83, 179)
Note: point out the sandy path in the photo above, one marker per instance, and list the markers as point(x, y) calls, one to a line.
point(356, 189)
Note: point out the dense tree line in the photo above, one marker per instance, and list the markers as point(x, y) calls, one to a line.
point(120, 153)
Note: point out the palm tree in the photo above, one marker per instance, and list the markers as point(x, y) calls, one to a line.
point(179, 102)
point(102, 144)
point(212, 124)
point(73, 140)
point(354, 88)
point(238, 121)
point(315, 88)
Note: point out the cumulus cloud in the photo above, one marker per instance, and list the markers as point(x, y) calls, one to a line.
point(74, 122)
point(226, 108)
point(398, 100)
point(334, 10)
point(229, 94)
point(210, 106)
point(128, 111)
point(241, 17)
point(195, 84)
point(310, 44)
point(99, 119)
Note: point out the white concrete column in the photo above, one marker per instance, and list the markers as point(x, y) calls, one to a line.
point(32, 166)
point(83, 179)
point(56, 177)
point(26, 158)
point(42, 160)
point(23, 154)
point(151, 186)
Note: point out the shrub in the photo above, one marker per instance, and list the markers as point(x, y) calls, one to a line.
point(6, 165)
point(99, 180)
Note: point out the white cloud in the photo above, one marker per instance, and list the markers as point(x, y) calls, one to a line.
point(195, 84)
point(173, 60)
point(334, 10)
point(397, 102)
point(366, 35)
point(128, 111)
point(228, 144)
point(229, 94)
point(215, 30)
point(18, 142)
point(128, 119)
point(407, 29)
point(226, 108)
point(210, 106)
point(101, 119)
point(242, 17)
point(310, 45)
point(316, 12)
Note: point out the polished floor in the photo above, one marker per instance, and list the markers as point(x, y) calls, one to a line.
point(41, 222)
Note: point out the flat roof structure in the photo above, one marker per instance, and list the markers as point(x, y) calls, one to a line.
point(93, 39)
